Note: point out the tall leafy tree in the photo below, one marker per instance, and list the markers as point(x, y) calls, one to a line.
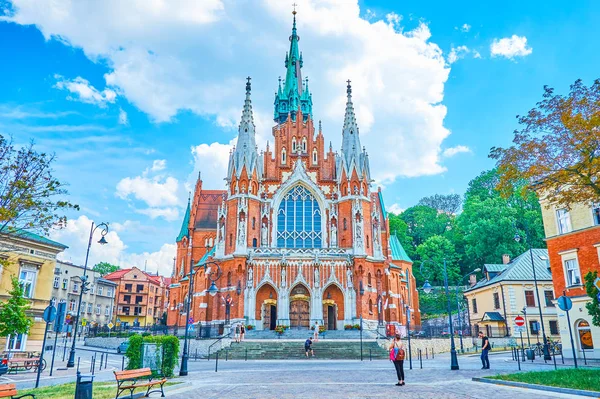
point(449, 203)
point(13, 313)
point(432, 253)
point(105, 268)
point(557, 148)
point(31, 198)
point(593, 306)
point(399, 228)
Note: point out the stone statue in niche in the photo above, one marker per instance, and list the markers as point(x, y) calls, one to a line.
point(317, 277)
point(349, 277)
point(242, 232)
point(333, 235)
point(264, 235)
point(355, 190)
point(222, 232)
point(250, 277)
point(283, 277)
point(358, 231)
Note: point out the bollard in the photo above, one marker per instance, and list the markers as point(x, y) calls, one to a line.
point(209, 354)
point(432, 355)
point(562, 357)
point(246, 359)
point(106, 361)
point(216, 362)
point(196, 357)
point(370, 356)
point(426, 354)
point(123, 363)
point(101, 361)
point(519, 361)
point(584, 359)
point(78, 359)
point(64, 352)
point(554, 358)
point(91, 364)
point(421, 358)
point(94, 365)
point(226, 354)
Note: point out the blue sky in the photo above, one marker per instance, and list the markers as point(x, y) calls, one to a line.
point(135, 101)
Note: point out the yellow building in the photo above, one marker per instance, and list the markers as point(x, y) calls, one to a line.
point(31, 258)
point(507, 290)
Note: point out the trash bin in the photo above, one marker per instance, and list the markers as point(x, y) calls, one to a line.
point(530, 354)
point(83, 388)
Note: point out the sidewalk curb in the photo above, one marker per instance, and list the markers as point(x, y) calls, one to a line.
point(568, 391)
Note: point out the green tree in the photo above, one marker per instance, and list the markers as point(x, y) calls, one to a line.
point(447, 203)
point(13, 313)
point(593, 306)
point(432, 254)
point(105, 268)
point(399, 228)
point(31, 198)
point(424, 222)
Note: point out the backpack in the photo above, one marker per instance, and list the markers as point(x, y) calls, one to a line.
point(401, 354)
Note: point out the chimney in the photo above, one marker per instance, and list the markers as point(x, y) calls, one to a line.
point(472, 280)
point(505, 259)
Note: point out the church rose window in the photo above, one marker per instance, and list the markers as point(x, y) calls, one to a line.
point(299, 220)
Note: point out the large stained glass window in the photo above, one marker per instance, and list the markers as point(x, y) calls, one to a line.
point(299, 220)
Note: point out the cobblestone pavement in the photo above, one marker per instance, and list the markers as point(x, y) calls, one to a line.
point(351, 379)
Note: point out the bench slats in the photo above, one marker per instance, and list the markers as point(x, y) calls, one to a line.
point(8, 390)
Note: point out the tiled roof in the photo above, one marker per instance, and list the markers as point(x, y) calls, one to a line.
point(27, 235)
point(185, 224)
point(494, 268)
point(116, 275)
point(381, 204)
point(520, 269)
point(208, 254)
point(398, 252)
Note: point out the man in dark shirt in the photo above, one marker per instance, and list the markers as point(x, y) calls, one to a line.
point(308, 347)
point(485, 349)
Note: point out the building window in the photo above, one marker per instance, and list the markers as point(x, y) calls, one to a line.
point(92, 288)
point(65, 284)
point(27, 281)
point(56, 282)
point(140, 288)
point(110, 292)
point(563, 220)
point(314, 157)
point(128, 287)
point(534, 327)
point(293, 144)
point(496, 301)
point(572, 272)
point(370, 306)
point(75, 287)
point(283, 157)
point(100, 290)
point(585, 335)
point(553, 327)
point(53, 301)
point(299, 220)
point(107, 311)
point(89, 309)
point(474, 305)
point(596, 212)
point(529, 299)
point(304, 144)
point(16, 342)
point(253, 223)
point(83, 306)
point(549, 297)
point(368, 279)
point(345, 225)
point(254, 243)
point(72, 305)
point(98, 310)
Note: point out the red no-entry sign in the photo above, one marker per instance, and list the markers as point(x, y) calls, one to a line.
point(519, 321)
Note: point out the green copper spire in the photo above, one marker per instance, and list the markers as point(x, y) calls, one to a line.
point(186, 222)
point(293, 95)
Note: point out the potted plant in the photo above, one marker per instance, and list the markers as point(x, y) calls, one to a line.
point(322, 329)
point(347, 326)
point(356, 327)
point(280, 330)
point(249, 327)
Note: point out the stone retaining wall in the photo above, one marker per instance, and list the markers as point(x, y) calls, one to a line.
point(195, 346)
point(435, 345)
point(104, 342)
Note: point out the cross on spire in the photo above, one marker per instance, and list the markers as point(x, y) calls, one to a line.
point(294, 5)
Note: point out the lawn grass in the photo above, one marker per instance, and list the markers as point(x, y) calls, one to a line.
point(102, 390)
point(587, 379)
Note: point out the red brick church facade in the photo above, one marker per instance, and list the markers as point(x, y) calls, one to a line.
point(298, 233)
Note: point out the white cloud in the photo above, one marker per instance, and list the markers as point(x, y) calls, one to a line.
point(76, 235)
point(158, 165)
point(476, 54)
point(456, 53)
point(154, 191)
point(398, 76)
point(510, 47)
point(83, 91)
point(395, 208)
point(452, 151)
point(123, 120)
point(170, 214)
point(465, 28)
point(209, 158)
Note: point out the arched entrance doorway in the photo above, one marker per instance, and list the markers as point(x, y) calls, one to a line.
point(299, 307)
point(266, 306)
point(585, 335)
point(333, 307)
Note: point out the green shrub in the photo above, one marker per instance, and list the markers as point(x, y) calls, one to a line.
point(168, 345)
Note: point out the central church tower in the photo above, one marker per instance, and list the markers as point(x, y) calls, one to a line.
point(298, 234)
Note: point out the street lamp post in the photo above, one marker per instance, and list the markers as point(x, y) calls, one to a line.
point(460, 335)
point(526, 325)
point(537, 294)
point(85, 284)
point(427, 290)
point(213, 275)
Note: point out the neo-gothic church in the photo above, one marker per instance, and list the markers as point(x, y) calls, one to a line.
point(298, 233)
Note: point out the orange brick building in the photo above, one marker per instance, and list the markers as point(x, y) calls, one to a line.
point(298, 233)
point(140, 298)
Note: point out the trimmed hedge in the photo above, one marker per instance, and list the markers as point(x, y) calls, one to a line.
point(169, 346)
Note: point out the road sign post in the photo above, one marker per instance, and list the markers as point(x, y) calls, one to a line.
point(49, 316)
point(565, 304)
point(110, 326)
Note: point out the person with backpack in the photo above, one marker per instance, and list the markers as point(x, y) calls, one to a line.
point(397, 355)
point(308, 347)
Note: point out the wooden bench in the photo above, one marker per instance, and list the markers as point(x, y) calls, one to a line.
point(130, 380)
point(27, 363)
point(10, 391)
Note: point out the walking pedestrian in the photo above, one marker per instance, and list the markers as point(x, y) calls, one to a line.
point(237, 333)
point(242, 332)
point(316, 332)
point(308, 347)
point(485, 349)
point(397, 355)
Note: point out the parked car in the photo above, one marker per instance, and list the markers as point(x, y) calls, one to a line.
point(4, 366)
point(123, 347)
